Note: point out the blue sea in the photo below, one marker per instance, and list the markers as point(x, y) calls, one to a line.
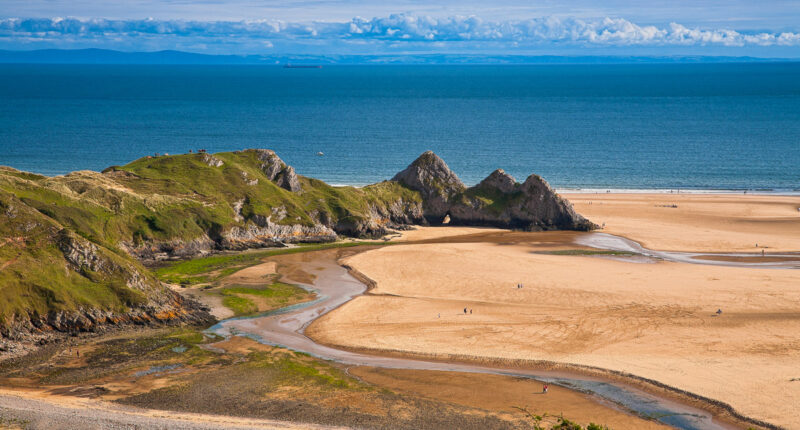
point(632, 126)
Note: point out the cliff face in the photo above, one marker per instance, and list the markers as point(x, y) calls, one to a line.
point(53, 280)
point(433, 179)
point(497, 201)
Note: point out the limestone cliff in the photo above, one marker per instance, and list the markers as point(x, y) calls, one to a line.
point(53, 280)
point(497, 201)
point(431, 177)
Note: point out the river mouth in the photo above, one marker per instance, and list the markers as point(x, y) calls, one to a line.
point(336, 286)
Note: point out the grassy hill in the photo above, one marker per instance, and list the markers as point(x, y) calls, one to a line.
point(68, 243)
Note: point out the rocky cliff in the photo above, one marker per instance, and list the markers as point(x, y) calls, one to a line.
point(499, 200)
point(55, 281)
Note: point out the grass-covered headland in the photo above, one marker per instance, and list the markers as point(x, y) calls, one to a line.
point(73, 248)
point(72, 245)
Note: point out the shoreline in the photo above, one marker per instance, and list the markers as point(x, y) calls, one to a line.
point(681, 191)
point(591, 189)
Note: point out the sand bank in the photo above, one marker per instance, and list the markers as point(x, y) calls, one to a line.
point(697, 222)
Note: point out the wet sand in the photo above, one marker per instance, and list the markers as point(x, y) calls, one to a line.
point(712, 223)
point(40, 409)
point(655, 320)
point(506, 392)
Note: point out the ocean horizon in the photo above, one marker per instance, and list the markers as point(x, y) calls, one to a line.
point(690, 127)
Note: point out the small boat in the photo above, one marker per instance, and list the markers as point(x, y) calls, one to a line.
point(301, 66)
point(320, 153)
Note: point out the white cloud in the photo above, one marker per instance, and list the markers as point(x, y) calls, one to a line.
point(392, 29)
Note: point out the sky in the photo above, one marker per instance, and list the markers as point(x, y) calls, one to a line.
point(767, 28)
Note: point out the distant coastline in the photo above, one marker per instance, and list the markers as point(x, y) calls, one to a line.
point(107, 56)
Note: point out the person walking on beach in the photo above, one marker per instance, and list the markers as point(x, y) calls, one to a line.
point(470, 311)
point(544, 389)
point(465, 311)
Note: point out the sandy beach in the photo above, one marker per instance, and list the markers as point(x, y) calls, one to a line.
point(654, 320)
point(697, 222)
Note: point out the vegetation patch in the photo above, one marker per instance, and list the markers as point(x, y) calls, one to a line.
point(250, 300)
point(208, 269)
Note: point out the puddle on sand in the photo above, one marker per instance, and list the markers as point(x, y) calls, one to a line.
point(157, 369)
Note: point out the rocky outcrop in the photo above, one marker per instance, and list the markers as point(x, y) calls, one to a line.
point(277, 171)
point(211, 160)
point(497, 201)
point(382, 219)
point(246, 178)
point(500, 181)
point(158, 250)
point(438, 185)
point(23, 334)
point(79, 253)
point(262, 232)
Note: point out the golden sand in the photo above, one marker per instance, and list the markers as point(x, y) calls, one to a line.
point(713, 223)
point(654, 320)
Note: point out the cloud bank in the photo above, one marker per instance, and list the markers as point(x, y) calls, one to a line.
point(391, 33)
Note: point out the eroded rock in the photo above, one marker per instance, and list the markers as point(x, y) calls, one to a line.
point(277, 171)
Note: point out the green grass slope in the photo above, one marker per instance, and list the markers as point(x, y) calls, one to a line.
point(68, 243)
point(46, 269)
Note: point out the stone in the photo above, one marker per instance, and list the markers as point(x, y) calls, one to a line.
point(500, 181)
point(277, 171)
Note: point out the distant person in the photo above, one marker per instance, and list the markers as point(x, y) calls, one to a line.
point(465, 311)
point(719, 311)
point(439, 316)
point(762, 252)
point(544, 389)
point(470, 311)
